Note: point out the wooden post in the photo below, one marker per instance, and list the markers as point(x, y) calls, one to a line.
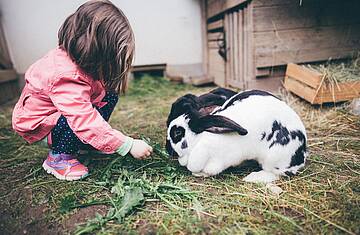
point(204, 35)
point(241, 47)
point(251, 47)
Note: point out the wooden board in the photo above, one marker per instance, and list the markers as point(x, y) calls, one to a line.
point(313, 13)
point(213, 45)
point(266, 3)
point(236, 45)
point(301, 56)
point(285, 3)
point(305, 45)
point(308, 38)
point(228, 38)
point(241, 50)
point(216, 67)
point(300, 89)
point(215, 26)
point(215, 36)
point(307, 76)
point(201, 80)
point(250, 44)
point(271, 84)
point(245, 44)
point(149, 67)
point(262, 72)
point(342, 92)
point(216, 7)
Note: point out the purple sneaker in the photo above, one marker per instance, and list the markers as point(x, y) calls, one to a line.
point(65, 167)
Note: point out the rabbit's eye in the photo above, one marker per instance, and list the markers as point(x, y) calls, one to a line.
point(177, 133)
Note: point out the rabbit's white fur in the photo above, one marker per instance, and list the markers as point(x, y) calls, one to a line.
point(209, 154)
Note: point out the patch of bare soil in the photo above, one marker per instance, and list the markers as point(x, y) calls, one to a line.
point(82, 215)
point(27, 219)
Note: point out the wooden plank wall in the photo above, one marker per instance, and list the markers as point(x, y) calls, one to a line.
point(317, 30)
point(216, 64)
point(234, 28)
point(237, 37)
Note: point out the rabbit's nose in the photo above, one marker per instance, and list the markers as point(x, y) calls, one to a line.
point(184, 145)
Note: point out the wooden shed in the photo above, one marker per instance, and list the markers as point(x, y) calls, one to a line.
point(249, 42)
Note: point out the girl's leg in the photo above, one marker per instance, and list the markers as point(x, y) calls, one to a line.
point(63, 138)
point(61, 161)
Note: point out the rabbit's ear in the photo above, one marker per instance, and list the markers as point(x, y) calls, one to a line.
point(223, 92)
point(216, 124)
point(211, 99)
point(179, 106)
point(213, 123)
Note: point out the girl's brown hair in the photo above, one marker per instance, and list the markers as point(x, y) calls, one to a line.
point(99, 39)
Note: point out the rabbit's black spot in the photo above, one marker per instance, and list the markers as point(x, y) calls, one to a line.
point(177, 133)
point(282, 136)
point(289, 173)
point(299, 156)
point(244, 95)
point(298, 134)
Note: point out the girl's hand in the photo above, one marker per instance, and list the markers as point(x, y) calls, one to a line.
point(140, 149)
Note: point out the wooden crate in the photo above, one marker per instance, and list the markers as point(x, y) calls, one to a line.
point(310, 85)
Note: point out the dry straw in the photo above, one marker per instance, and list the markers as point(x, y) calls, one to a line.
point(336, 72)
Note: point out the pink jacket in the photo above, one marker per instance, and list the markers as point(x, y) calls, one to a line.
point(56, 86)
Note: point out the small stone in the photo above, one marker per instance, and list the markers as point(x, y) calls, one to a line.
point(274, 189)
point(355, 106)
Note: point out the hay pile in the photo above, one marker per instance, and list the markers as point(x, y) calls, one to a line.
point(336, 72)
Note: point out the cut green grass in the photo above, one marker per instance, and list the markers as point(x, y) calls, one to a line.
point(159, 196)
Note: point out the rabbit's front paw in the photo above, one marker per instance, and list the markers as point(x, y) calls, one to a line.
point(200, 174)
point(261, 177)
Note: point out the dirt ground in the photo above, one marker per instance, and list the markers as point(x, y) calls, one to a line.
point(126, 196)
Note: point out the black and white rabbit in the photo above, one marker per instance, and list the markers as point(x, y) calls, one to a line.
point(252, 124)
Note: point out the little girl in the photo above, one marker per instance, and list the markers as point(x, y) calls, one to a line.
point(71, 92)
